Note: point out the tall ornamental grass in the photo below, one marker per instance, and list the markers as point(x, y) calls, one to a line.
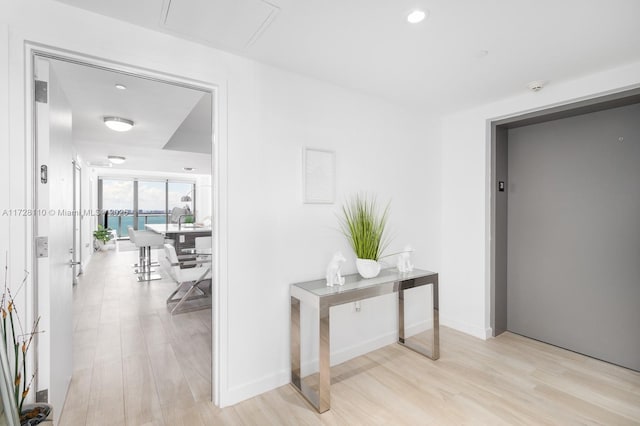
point(16, 341)
point(364, 226)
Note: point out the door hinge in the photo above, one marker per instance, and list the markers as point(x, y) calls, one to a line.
point(41, 91)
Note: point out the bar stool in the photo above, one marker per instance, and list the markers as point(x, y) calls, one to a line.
point(141, 251)
point(145, 240)
point(141, 266)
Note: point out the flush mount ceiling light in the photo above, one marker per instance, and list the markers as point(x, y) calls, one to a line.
point(121, 87)
point(416, 16)
point(116, 159)
point(118, 124)
point(100, 164)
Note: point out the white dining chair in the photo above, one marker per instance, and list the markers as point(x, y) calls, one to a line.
point(203, 245)
point(187, 281)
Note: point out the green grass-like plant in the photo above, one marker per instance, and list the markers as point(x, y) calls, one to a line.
point(102, 234)
point(364, 226)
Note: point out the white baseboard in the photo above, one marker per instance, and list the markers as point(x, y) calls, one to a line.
point(361, 348)
point(473, 330)
point(488, 333)
point(249, 390)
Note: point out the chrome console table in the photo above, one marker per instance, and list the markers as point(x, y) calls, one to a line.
point(317, 295)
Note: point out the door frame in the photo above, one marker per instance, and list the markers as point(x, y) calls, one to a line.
point(77, 220)
point(499, 171)
point(219, 151)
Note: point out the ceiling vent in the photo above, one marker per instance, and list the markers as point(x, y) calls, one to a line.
point(228, 24)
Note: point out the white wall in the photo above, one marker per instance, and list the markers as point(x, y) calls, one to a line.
point(466, 168)
point(268, 238)
point(276, 240)
point(13, 217)
point(203, 197)
point(4, 134)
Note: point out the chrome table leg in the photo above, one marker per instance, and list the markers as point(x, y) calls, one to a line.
point(434, 353)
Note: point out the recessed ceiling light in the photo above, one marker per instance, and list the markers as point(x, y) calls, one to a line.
point(416, 16)
point(118, 124)
point(188, 169)
point(121, 87)
point(116, 159)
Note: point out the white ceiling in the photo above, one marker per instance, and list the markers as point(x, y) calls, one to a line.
point(172, 126)
point(194, 133)
point(465, 53)
point(438, 64)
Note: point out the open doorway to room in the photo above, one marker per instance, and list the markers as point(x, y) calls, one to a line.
point(136, 358)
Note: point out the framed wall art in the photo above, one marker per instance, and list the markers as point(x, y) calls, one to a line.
point(318, 176)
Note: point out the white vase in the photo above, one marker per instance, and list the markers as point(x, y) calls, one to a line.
point(367, 268)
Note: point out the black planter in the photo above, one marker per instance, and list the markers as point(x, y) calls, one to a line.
point(34, 414)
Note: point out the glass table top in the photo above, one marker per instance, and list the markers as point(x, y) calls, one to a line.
point(319, 287)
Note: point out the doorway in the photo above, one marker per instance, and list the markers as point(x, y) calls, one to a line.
point(84, 175)
point(548, 282)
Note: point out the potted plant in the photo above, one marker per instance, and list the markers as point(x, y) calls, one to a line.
point(14, 340)
point(103, 236)
point(364, 226)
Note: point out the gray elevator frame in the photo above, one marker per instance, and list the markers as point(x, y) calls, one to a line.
point(499, 172)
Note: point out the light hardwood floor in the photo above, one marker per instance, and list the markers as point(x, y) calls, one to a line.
point(136, 365)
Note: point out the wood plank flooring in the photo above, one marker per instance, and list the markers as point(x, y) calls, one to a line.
point(136, 365)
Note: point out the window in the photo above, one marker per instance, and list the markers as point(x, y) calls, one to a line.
point(130, 202)
point(117, 204)
point(152, 202)
point(179, 191)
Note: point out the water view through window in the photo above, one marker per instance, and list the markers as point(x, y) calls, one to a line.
point(151, 203)
point(119, 201)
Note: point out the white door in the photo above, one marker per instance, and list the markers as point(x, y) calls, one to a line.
point(54, 273)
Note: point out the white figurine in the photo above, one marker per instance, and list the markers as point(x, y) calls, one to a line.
point(333, 270)
point(404, 260)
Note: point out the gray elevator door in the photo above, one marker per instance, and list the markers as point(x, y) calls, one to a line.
point(574, 234)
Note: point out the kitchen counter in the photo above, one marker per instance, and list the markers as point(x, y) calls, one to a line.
point(183, 237)
point(172, 228)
